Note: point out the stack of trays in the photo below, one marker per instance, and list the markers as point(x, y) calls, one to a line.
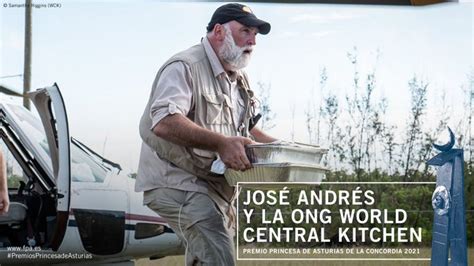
point(281, 162)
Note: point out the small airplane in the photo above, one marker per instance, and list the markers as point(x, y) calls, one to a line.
point(73, 206)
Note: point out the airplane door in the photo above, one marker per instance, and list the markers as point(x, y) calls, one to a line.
point(52, 111)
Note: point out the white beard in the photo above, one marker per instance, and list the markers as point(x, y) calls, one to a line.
point(232, 54)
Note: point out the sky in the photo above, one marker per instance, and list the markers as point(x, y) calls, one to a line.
point(104, 56)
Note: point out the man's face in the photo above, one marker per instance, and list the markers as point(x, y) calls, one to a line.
point(238, 45)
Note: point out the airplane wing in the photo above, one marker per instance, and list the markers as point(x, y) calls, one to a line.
point(9, 91)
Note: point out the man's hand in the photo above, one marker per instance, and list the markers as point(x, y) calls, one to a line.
point(261, 136)
point(232, 152)
point(4, 202)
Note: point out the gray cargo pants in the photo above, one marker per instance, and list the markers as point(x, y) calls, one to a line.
point(197, 221)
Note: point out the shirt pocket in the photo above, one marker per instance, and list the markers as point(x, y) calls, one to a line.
point(218, 110)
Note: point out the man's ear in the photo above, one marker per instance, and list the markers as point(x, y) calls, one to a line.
point(219, 32)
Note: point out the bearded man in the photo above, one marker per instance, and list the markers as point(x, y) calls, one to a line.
point(201, 109)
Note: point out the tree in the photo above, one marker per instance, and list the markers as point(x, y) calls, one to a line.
point(330, 113)
point(267, 114)
point(385, 136)
point(414, 134)
point(363, 116)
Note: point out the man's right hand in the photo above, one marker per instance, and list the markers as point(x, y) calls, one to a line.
point(232, 152)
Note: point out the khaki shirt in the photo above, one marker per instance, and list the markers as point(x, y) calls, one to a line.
point(175, 96)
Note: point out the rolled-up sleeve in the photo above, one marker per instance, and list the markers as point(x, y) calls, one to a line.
point(173, 92)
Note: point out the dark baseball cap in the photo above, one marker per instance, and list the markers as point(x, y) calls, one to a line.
point(240, 13)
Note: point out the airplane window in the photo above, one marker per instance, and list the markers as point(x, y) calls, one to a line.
point(33, 128)
point(82, 172)
point(147, 230)
point(14, 172)
point(84, 168)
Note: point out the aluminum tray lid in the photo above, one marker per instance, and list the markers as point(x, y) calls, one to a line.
point(277, 172)
point(291, 165)
point(285, 152)
point(301, 147)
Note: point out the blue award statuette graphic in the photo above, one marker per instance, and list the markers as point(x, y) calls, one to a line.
point(449, 225)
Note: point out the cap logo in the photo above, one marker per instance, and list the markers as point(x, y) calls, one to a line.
point(247, 9)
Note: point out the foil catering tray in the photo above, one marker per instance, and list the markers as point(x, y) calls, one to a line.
point(277, 172)
point(284, 152)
